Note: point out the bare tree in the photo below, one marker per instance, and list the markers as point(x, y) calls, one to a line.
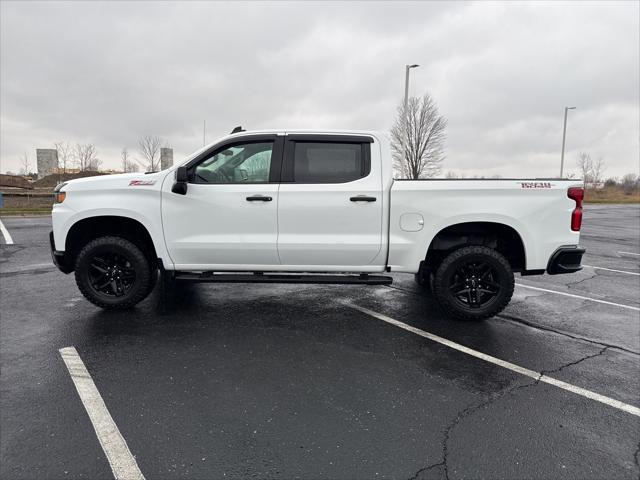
point(85, 157)
point(585, 165)
point(597, 171)
point(417, 138)
point(65, 155)
point(630, 182)
point(591, 171)
point(150, 150)
point(128, 165)
point(25, 164)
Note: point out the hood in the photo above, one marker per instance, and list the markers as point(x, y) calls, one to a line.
point(119, 180)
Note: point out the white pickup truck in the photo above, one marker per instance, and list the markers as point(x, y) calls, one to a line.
point(312, 207)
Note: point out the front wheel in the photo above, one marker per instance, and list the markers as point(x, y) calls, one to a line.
point(113, 273)
point(474, 283)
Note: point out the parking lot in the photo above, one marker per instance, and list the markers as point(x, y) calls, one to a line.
point(285, 381)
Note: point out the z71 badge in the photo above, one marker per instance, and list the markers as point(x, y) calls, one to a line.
point(139, 183)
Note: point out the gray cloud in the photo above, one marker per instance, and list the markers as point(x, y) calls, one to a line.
point(108, 73)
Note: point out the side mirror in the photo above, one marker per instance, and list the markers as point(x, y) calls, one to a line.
point(180, 185)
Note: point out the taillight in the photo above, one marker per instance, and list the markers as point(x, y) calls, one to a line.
point(576, 194)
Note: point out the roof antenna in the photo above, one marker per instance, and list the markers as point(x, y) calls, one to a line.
point(238, 129)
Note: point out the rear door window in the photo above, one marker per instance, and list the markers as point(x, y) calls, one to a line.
point(328, 162)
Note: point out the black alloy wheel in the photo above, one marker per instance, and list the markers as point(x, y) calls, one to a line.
point(473, 283)
point(113, 272)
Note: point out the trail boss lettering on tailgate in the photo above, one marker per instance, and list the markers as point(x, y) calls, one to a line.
point(536, 184)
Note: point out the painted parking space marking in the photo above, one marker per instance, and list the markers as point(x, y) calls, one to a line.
point(612, 270)
point(5, 233)
point(538, 376)
point(629, 253)
point(122, 462)
point(579, 296)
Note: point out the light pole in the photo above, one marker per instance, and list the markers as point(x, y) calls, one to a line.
point(406, 82)
point(406, 97)
point(564, 137)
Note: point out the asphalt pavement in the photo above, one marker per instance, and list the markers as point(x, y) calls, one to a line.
point(291, 381)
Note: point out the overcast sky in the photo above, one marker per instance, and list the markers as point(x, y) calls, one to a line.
point(107, 73)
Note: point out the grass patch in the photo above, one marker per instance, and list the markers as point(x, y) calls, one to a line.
point(16, 211)
point(612, 195)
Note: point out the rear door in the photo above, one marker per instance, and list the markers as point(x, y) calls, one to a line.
point(330, 204)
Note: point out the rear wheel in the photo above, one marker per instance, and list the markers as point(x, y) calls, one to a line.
point(112, 272)
point(474, 283)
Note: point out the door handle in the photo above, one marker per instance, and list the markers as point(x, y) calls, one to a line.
point(363, 198)
point(259, 198)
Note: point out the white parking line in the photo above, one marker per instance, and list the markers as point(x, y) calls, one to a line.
point(123, 464)
point(580, 297)
point(612, 270)
point(629, 253)
point(5, 233)
point(540, 377)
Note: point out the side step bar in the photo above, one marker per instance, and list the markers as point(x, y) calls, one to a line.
point(210, 277)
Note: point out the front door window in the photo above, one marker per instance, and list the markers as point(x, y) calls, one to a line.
point(244, 163)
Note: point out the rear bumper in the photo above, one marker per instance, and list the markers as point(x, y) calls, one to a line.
point(59, 258)
point(565, 260)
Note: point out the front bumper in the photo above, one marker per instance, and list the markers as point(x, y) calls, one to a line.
point(59, 258)
point(565, 260)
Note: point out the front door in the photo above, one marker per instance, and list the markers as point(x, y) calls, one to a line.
point(330, 204)
point(228, 218)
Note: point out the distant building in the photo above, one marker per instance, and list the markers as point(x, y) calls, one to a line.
point(47, 160)
point(166, 158)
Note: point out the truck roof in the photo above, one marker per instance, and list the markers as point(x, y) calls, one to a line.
point(311, 131)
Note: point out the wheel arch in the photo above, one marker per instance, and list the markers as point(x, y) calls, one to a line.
point(89, 228)
point(500, 236)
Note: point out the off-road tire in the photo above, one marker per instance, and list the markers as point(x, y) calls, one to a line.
point(144, 273)
point(501, 275)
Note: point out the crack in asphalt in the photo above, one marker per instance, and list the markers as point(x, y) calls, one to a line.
point(465, 413)
point(426, 469)
point(573, 284)
point(7, 251)
point(570, 364)
point(636, 457)
point(470, 410)
point(515, 319)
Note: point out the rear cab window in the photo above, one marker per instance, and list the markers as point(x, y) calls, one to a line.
point(326, 159)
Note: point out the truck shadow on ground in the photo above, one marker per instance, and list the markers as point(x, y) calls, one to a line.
point(201, 317)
